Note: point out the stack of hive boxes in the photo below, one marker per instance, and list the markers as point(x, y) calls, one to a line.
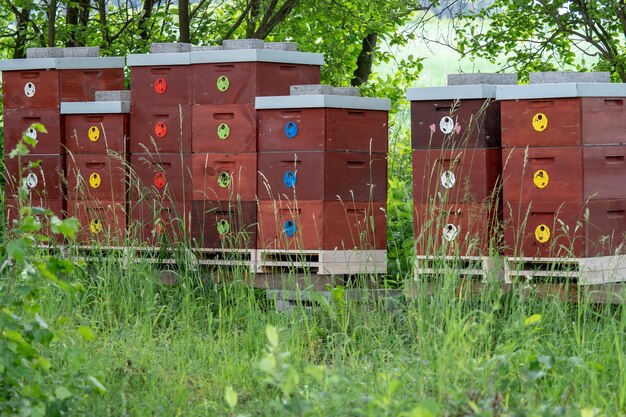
point(160, 143)
point(323, 179)
point(226, 80)
point(33, 91)
point(457, 164)
point(564, 139)
point(96, 136)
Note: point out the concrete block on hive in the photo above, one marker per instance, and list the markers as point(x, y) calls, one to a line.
point(300, 90)
point(282, 46)
point(207, 48)
point(243, 44)
point(44, 53)
point(482, 78)
point(81, 52)
point(569, 77)
point(160, 48)
point(346, 91)
point(113, 95)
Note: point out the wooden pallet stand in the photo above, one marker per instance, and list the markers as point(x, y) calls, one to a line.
point(322, 262)
point(478, 268)
point(583, 271)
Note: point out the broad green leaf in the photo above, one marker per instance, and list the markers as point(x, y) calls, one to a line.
point(535, 318)
point(272, 335)
point(97, 384)
point(17, 249)
point(62, 393)
point(231, 397)
point(86, 333)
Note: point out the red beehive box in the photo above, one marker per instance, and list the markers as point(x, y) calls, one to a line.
point(18, 121)
point(606, 228)
point(238, 76)
point(322, 122)
point(224, 224)
point(455, 176)
point(224, 177)
point(161, 177)
point(96, 127)
point(461, 229)
point(327, 176)
point(160, 79)
point(157, 222)
point(316, 225)
point(45, 82)
point(99, 177)
point(542, 174)
point(101, 221)
point(454, 117)
point(604, 172)
point(224, 128)
point(43, 181)
point(162, 129)
point(566, 114)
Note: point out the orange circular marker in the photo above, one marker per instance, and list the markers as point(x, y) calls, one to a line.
point(160, 86)
point(160, 180)
point(160, 129)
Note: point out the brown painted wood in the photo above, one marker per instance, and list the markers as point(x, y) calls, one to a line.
point(478, 124)
point(102, 222)
point(160, 129)
point(606, 228)
point(322, 225)
point(82, 84)
point(562, 164)
point(324, 129)
point(224, 176)
point(476, 175)
point(163, 177)
point(460, 229)
point(16, 122)
point(564, 219)
point(154, 222)
point(47, 176)
point(327, 176)
point(564, 127)
point(209, 120)
point(177, 91)
point(46, 84)
point(96, 133)
point(247, 80)
point(236, 220)
point(96, 177)
point(605, 172)
point(604, 120)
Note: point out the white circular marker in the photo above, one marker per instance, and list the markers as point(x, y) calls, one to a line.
point(448, 179)
point(32, 180)
point(29, 89)
point(31, 133)
point(446, 124)
point(450, 232)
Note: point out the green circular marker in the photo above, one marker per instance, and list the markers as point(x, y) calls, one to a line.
point(224, 179)
point(223, 83)
point(223, 227)
point(223, 131)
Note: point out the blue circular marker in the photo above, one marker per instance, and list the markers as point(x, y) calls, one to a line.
point(289, 179)
point(290, 228)
point(291, 129)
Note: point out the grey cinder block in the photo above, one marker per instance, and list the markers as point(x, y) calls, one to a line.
point(482, 78)
point(44, 53)
point(569, 77)
point(113, 95)
point(282, 46)
point(207, 48)
point(243, 44)
point(299, 90)
point(346, 91)
point(82, 52)
point(161, 48)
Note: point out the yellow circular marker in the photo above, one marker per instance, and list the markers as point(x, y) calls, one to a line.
point(541, 179)
point(94, 133)
point(95, 225)
point(540, 122)
point(542, 233)
point(95, 180)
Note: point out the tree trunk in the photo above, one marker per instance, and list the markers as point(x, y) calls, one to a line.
point(71, 20)
point(145, 17)
point(52, 15)
point(20, 38)
point(183, 20)
point(106, 34)
point(364, 61)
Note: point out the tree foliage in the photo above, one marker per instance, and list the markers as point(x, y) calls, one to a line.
point(544, 34)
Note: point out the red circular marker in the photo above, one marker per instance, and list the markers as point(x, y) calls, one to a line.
point(160, 85)
point(158, 229)
point(160, 180)
point(160, 129)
